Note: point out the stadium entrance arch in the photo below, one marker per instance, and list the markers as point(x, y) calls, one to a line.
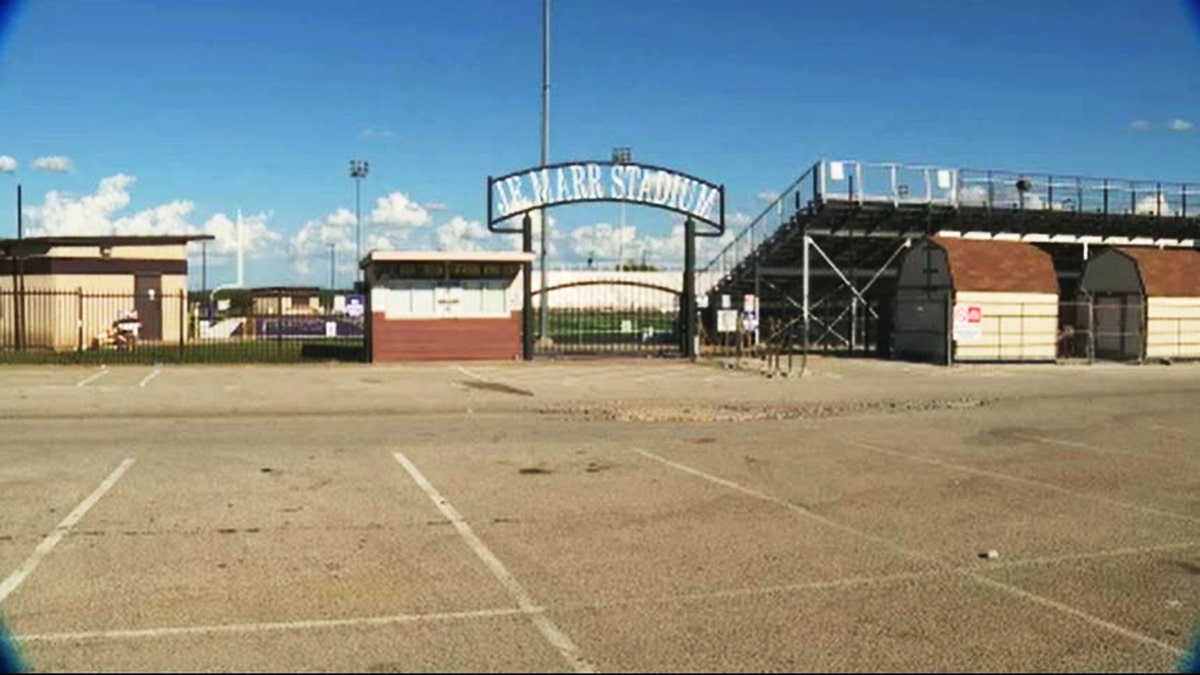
point(626, 312)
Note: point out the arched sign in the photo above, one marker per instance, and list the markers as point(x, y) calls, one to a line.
point(533, 189)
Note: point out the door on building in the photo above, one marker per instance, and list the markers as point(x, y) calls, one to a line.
point(147, 293)
point(1118, 326)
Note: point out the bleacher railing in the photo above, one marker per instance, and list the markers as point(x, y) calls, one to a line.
point(915, 184)
point(801, 194)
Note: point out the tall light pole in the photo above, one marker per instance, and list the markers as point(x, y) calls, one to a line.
point(545, 148)
point(358, 171)
point(621, 155)
point(332, 265)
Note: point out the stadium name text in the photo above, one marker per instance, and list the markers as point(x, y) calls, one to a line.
point(584, 182)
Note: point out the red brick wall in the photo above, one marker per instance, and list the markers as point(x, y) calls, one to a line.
point(445, 339)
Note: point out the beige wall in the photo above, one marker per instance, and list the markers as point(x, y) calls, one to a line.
point(1016, 327)
point(1173, 327)
point(171, 252)
point(53, 308)
point(300, 305)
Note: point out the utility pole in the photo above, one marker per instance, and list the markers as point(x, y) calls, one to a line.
point(358, 171)
point(621, 156)
point(545, 151)
point(332, 265)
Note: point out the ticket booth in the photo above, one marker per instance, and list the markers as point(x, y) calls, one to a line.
point(443, 306)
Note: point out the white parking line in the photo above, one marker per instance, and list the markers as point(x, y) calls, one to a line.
point(266, 627)
point(153, 374)
point(1024, 481)
point(1081, 446)
point(471, 374)
point(544, 624)
point(862, 534)
point(47, 545)
point(92, 378)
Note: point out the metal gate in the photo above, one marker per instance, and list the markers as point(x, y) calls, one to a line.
point(610, 316)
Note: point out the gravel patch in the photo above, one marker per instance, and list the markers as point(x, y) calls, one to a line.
point(750, 412)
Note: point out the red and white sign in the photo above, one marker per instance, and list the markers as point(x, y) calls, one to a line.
point(968, 323)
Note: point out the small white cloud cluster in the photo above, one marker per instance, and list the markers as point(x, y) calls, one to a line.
point(1177, 124)
point(53, 164)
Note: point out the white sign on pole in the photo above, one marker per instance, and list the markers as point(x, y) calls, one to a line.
point(968, 323)
point(749, 303)
point(726, 301)
point(727, 320)
point(702, 301)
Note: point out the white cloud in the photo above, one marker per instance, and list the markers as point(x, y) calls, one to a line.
point(604, 242)
point(434, 206)
point(370, 132)
point(98, 214)
point(1139, 125)
point(768, 196)
point(257, 234)
point(1179, 124)
point(1152, 205)
point(737, 220)
point(55, 163)
point(7, 164)
point(460, 234)
point(397, 210)
point(311, 242)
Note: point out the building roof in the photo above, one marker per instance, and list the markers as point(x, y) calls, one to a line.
point(448, 256)
point(998, 266)
point(1167, 273)
point(40, 245)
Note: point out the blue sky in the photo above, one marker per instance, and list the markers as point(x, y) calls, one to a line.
point(190, 111)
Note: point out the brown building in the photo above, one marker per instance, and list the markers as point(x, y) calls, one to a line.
point(1145, 302)
point(430, 305)
point(61, 292)
point(287, 300)
point(975, 300)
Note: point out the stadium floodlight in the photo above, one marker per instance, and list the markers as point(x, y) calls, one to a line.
point(621, 155)
point(358, 171)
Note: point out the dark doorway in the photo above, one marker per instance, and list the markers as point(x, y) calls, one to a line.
point(147, 302)
point(1118, 325)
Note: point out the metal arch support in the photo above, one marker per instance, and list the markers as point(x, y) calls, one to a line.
point(612, 282)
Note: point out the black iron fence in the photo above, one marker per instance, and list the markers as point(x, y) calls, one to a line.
point(610, 316)
point(78, 326)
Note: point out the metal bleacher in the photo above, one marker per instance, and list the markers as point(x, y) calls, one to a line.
point(858, 217)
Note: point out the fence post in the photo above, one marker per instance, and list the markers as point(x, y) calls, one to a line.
point(689, 289)
point(948, 325)
point(1091, 333)
point(279, 322)
point(79, 317)
point(182, 321)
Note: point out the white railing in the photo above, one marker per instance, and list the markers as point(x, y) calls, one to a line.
point(899, 184)
point(801, 194)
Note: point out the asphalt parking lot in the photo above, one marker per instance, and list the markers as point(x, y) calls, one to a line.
point(607, 515)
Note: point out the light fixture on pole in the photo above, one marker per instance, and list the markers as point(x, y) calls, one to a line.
point(622, 155)
point(358, 171)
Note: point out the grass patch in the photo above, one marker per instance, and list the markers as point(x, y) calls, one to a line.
point(233, 351)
